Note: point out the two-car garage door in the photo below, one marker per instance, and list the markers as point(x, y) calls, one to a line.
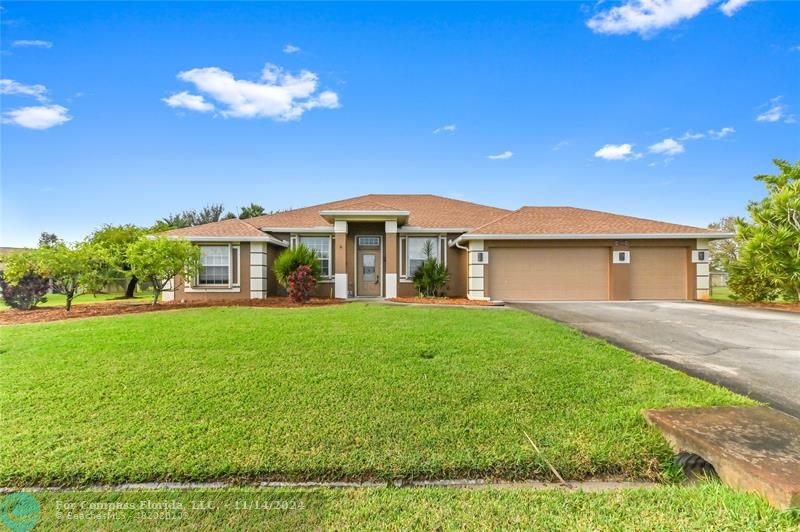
point(575, 273)
point(583, 273)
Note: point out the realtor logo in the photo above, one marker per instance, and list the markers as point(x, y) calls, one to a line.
point(19, 511)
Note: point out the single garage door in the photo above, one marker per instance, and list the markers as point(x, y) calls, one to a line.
point(549, 273)
point(658, 273)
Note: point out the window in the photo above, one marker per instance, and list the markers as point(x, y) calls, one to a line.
point(416, 247)
point(322, 246)
point(369, 241)
point(215, 266)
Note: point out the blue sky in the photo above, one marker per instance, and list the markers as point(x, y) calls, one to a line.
point(116, 113)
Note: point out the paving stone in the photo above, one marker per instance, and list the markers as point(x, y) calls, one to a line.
point(752, 448)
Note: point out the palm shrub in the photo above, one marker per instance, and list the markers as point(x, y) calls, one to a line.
point(432, 275)
point(297, 270)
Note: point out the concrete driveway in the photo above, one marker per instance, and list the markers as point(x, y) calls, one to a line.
point(750, 351)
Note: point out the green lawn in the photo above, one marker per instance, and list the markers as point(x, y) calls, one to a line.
point(721, 293)
point(59, 300)
point(342, 392)
point(708, 506)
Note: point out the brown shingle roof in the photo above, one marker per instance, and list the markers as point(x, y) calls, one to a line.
point(225, 228)
point(573, 221)
point(425, 210)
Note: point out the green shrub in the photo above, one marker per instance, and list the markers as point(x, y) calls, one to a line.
point(431, 276)
point(291, 259)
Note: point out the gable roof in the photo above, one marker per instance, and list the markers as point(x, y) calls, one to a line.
point(425, 210)
point(224, 228)
point(562, 221)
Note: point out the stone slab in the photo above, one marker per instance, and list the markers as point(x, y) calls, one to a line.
point(752, 448)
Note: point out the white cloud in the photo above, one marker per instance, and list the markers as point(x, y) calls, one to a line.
point(721, 133)
point(38, 117)
point(500, 156)
point(194, 102)
point(732, 6)
point(645, 17)
point(562, 144)
point(617, 152)
point(278, 95)
point(689, 135)
point(291, 49)
point(33, 43)
point(667, 146)
point(9, 87)
point(776, 112)
point(449, 129)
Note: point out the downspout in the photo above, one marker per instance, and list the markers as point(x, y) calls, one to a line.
point(456, 244)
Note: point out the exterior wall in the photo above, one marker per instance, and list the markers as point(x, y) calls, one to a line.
point(619, 281)
point(209, 294)
point(702, 272)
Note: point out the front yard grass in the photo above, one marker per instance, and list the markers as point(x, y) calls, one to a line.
point(709, 506)
point(353, 391)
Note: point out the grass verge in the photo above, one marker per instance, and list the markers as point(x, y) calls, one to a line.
point(703, 507)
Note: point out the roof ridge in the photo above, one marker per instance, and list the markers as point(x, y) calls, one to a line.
point(612, 214)
point(502, 217)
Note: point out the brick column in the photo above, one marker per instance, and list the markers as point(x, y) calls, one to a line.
point(340, 259)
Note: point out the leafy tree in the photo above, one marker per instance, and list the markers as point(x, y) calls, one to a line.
point(48, 239)
point(769, 257)
point(298, 271)
point(26, 293)
point(726, 250)
point(229, 216)
point(251, 211)
point(21, 286)
point(206, 215)
point(115, 239)
point(70, 268)
point(432, 275)
point(161, 259)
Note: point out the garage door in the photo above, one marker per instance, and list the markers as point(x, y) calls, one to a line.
point(658, 273)
point(548, 273)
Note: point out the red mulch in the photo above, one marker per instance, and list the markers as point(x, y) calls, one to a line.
point(787, 307)
point(90, 310)
point(443, 301)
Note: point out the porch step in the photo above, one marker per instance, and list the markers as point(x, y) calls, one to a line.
point(752, 448)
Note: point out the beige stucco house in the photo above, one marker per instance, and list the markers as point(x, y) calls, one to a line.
point(370, 246)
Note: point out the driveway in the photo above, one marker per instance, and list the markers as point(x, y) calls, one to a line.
point(751, 351)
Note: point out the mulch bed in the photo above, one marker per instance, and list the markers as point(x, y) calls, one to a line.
point(90, 310)
point(786, 307)
point(443, 301)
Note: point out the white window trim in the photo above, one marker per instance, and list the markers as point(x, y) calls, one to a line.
point(294, 240)
point(441, 242)
point(196, 286)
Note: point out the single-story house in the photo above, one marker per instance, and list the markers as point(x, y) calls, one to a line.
point(370, 246)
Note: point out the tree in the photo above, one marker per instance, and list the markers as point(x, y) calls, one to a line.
point(229, 216)
point(251, 211)
point(28, 292)
point(70, 268)
point(726, 250)
point(208, 214)
point(115, 239)
point(161, 259)
point(48, 239)
point(298, 271)
point(769, 254)
point(21, 286)
point(432, 275)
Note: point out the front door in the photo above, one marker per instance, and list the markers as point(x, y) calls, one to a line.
point(368, 273)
